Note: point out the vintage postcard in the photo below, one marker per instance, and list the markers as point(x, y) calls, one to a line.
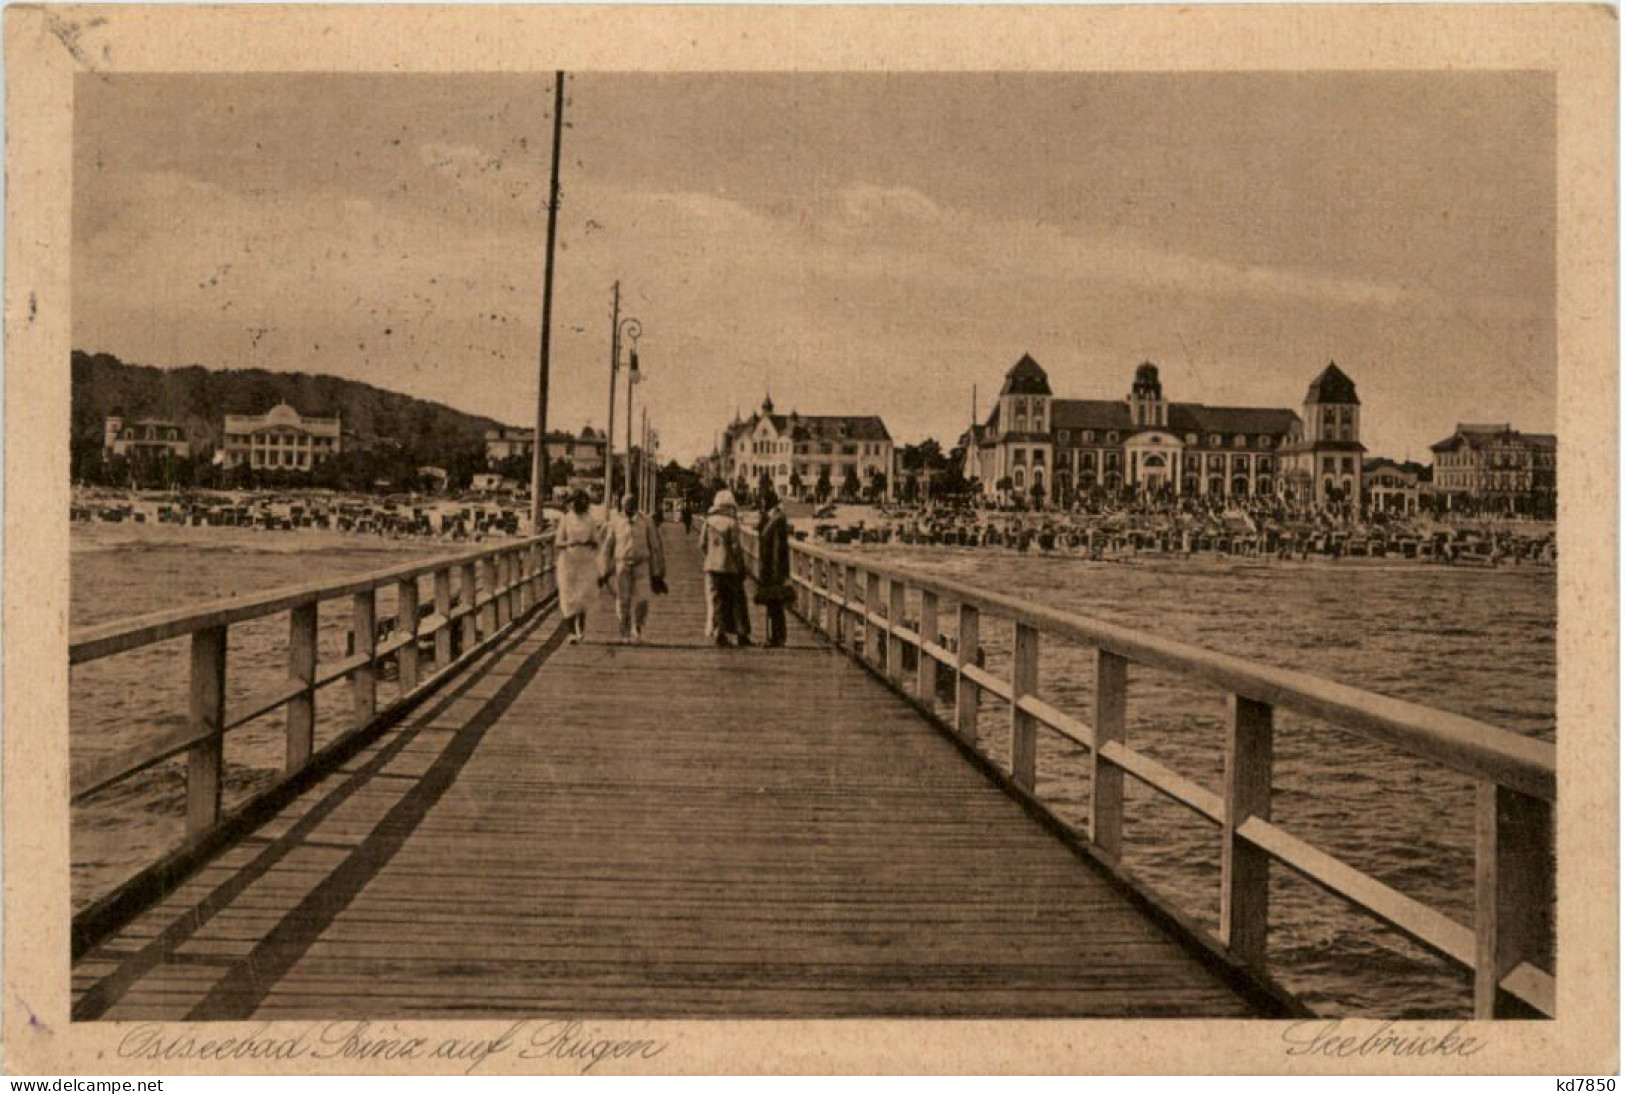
point(681, 540)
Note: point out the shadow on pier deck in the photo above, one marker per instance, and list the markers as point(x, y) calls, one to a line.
point(672, 830)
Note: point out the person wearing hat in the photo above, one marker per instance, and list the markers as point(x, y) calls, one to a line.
point(633, 559)
point(773, 585)
point(724, 563)
point(577, 560)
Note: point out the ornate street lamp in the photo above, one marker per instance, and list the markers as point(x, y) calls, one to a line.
point(619, 328)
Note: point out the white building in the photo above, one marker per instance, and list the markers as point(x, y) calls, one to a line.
point(281, 439)
point(797, 451)
point(145, 437)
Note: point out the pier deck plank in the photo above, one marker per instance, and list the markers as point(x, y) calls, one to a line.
point(670, 830)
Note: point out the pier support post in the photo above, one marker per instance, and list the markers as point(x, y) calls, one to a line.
point(406, 624)
point(1023, 728)
point(205, 759)
point(1515, 882)
point(1111, 711)
point(1249, 760)
point(925, 676)
point(364, 680)
point(442, 608)
point(470, 596)
point(896, 602)
point(966, 693)
point(301, 741)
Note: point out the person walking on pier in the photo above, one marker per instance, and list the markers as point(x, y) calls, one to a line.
point(577, 542)
point(773, 588)
point(724, 572)
point(633, 559)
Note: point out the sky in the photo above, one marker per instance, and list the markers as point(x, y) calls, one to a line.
point(853, 243)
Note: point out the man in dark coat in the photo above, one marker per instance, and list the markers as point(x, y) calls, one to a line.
point(773, 587)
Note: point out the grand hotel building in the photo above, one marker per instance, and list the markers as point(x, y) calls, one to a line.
point(1063, 447)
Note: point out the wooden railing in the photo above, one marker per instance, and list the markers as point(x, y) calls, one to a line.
point(1507, 948)
point(483, 594)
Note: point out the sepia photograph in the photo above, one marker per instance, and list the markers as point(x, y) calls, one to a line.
point(583, 548)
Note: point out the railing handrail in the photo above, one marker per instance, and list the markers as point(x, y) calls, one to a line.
point(120, 635)
point(1506, 947)
point(429, 640)
point(1463, 744)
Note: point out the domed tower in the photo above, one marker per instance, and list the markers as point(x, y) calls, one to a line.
point(1147, 408)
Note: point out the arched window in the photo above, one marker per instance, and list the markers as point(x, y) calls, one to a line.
point(1238, 486)
point(1019, 478)
point(1264, 484)
point(1215, 486)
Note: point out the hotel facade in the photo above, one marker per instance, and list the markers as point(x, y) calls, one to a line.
point(280, 439)
point(1498, 469)
point(795, 451)
point(1039, 446)
point(145, 437)
point(585, 450)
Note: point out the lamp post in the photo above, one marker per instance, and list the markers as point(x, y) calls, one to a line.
point(619, 327)
point(633, 378)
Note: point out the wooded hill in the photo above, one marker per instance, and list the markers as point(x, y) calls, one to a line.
point(198, 399)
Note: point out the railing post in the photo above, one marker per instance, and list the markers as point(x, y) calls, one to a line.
point(826, 614)
point(488, 610)
point(1106, 797)
point(205, 759)
point(301, 741)
point(501, 573)
point(1023, 729)
point(406, 623)
point(1514, 881)
point(1244, 899)
point(925, 675)
point(896, 604)
point(364, 680)
point(470, 597)
point(966, 694)
point(874, 645)
point(442, 607)
point(521, 578)
point(849, 596)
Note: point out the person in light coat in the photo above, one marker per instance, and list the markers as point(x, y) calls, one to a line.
point(577, 541)
point(724, 562)
point(633, 559)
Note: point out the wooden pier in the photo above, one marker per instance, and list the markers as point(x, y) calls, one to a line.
point(676, 830)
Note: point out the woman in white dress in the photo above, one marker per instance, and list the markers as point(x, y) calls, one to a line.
point(577, 543)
